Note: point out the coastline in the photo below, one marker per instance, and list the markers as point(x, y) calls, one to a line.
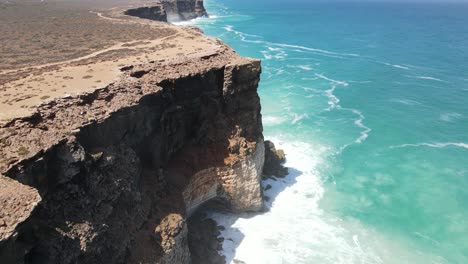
point(346, 97)
point(99, 143)
point(152, 129)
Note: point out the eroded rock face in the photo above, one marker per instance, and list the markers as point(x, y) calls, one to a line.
point(149, 12)
point(170, 10)
point(178, 10)
point(117, 171)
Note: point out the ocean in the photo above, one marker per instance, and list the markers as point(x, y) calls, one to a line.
point(369, 100)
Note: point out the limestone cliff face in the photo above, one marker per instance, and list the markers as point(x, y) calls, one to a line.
point(170, 10)
point(184, 9)
point(112, 175)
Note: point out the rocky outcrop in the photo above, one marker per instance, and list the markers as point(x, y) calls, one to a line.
point(111, 176)
point(274, 159)
point(183, 9)
point(204, 240)
point(148, 12)
point(170, 10)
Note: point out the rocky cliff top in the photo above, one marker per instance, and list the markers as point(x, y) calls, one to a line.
point(62, 48)
point(36, 97)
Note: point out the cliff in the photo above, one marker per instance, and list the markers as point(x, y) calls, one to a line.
point(109, 170)
point(119, 170)
point(170, 10)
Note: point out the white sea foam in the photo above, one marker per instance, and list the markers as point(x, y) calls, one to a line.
point(278, 54)
point(426, 78)
point(266, 55)
point(405, 101)
point(316, 50)
point(304, 59)
point(333, 100)
point(395, 66)
point(310, 79)
point(291, 234)
point(297, 118)
point(450, 117)
point(305, 67)
point(304, 233)
point(343, 83)
point(359, 122)
point(274, 49)
point(361, 82)
point(333, 103)
point(195, 21)
point(302, 67)
point(231, 29)
point(418, 84)
point(433, 145)
point(433, 241)
point(400, 67)
point(308, 89)
point(269, 120)
point(273, 45)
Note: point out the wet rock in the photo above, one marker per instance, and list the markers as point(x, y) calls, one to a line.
point(204, 242)
point(274, 160)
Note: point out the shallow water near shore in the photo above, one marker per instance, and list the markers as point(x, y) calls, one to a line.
point(370, 103)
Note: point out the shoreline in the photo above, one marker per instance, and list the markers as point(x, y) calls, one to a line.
point(70, 149)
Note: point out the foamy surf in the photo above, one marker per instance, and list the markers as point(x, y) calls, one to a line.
point(303, 233)
point(426, 78)
point(321, 76)
point(274, 46)
point(433, 145)
point(361, 217)
point(279, 235)
point(269, 120)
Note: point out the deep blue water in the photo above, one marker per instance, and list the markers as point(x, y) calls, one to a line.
point(370, 101)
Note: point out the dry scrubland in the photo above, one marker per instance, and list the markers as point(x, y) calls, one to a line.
point(56, 48)
point(37, 32)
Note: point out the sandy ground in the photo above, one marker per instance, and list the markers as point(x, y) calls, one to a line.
point(87, 48)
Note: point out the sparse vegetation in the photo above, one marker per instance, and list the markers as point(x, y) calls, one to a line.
point(53, 33)
point(23, 151)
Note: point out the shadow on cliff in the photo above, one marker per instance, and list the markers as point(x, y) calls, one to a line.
point(233, 236)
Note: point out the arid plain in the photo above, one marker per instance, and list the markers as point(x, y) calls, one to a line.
point(53, 49)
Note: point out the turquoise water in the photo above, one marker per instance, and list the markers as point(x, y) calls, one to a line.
point(370, 102)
